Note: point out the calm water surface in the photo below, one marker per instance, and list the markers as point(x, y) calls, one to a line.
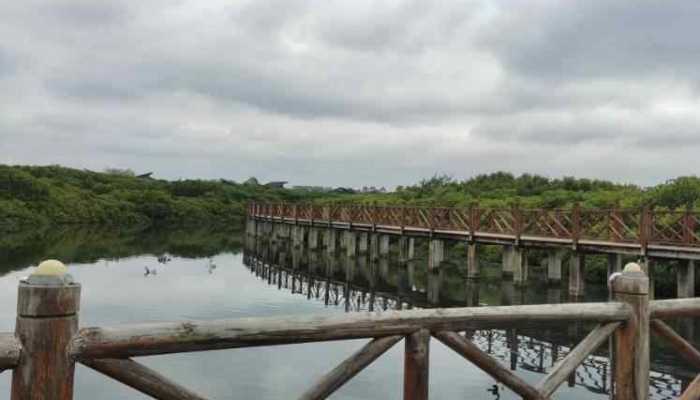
point(206, 275)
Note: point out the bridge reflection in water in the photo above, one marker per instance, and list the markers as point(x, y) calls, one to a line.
point(364, 283)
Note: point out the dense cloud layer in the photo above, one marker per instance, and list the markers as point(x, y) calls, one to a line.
point(353, 93)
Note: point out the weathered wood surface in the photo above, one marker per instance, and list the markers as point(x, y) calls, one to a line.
point(632, 339)
point(675, 308)
point(564, 368)
point(693, 390)
point(176, 337)
point(43, 300)
point(141, 378)
point(487, 364)
point(346, 370)
point(416, 366)
point(10, 351)
point(46, 369)
point(684, 349)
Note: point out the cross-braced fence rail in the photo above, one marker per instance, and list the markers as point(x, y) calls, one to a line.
point(655, 232)
point(47, 342)
point(525, 349)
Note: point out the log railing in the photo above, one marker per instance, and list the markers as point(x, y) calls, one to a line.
point(641, 227)
point(47, 342)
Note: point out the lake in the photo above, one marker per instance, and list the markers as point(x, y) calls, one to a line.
point(162, 275)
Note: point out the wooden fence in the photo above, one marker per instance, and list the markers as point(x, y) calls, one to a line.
point(639, 227)
point(47, 342)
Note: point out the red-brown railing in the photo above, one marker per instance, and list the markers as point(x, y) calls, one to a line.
point(634, 226)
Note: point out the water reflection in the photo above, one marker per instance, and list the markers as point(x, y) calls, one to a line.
point(366, 283)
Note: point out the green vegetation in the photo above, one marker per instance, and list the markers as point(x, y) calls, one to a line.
point(502, 189)
point(32, 197)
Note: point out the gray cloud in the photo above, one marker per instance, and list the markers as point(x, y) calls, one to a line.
point(579, 40)
point(7, 63)
point(352, 93)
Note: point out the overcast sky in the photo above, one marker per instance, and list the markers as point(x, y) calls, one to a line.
point(353, 92)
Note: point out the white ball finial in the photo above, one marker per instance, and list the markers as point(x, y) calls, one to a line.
point(633, 267)
point(50, 268)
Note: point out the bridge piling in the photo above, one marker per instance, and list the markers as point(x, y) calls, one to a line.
point(374, 246)
point(554, 260)
point(685, 278)
point(384, 245)
point(331, 239)
point(362, 242)
point(436, 253)
point(507, 261)
point(406, 249)
point(472, 261)
point(313, 238)
point(519, 266)
point(577, 274)
point(350, 244)
point(614, 263)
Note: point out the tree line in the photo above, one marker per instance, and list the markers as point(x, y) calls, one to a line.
point(34, 196)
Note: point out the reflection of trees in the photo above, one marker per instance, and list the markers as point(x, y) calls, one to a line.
point(88, 245)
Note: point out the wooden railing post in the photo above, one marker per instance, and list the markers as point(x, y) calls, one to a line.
point(47, 319)
point(415, 375)
point(632, 340)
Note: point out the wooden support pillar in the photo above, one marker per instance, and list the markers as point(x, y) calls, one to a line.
point(554, 260)
point(435, 278)
point(614, 264)
point(472, 293)
point(331, 238)
point(374, 246)
point(416, 364)
point(685, 278)
point(507, 293)
point(507, 268)
point(436, 253)
point(406, 249)
point(362, 242)
point(313, 238)
point(577, 274)
point(330, 265)
point(519, 266)
point(250, 227)
point(383, 264)
point(350, 264)
point(631, 349)
point(298, 236)
point(47, 320)
point(350, 244)
point(384, 245)
point(553, 295)
point(472, 261)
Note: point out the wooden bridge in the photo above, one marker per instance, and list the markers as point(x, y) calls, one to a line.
point(645, 235)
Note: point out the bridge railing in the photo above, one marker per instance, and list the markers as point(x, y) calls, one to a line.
point(615, 225)
point(47, 343)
